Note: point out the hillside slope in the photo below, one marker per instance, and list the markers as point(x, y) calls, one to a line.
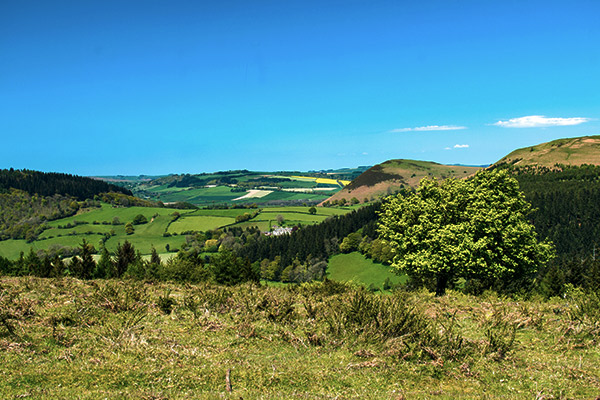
point(392, 175)
point(569, 151)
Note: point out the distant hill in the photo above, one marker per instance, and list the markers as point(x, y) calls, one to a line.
point(571, 151)
point(393, 175)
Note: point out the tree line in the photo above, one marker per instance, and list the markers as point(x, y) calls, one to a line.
point(223, 268)
point(51, 183)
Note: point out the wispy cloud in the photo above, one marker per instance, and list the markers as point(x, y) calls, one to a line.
point(429, 128)
point(457, 146)
point(540, 121)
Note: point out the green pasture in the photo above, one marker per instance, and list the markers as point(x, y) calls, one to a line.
point(144, 243)
point(294, 183)
point(328, 211)
point(292, 215)
point(154, 228)
point(106, 213)
point(219, 194)
point(79, 229)
point(281, 195)
point(199, 223)
point(355, 267)
point(304, 218)
point(165, 189)
point(263, 225)
point(232, 213)
point(12, 248)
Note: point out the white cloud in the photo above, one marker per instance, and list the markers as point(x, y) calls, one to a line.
point(461, 146)
point(540, 121)
point(429, 128)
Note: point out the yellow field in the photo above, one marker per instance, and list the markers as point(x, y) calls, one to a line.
point(322, 180)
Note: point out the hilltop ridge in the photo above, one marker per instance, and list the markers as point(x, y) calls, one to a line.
point(568, 151)
point(393, 175)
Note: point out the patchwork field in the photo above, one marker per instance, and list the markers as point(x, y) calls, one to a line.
point(161, 231)
point(231, 187)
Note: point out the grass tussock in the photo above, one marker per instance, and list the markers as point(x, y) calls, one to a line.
point(65, 338)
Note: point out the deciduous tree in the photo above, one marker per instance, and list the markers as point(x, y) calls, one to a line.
point(475, 229)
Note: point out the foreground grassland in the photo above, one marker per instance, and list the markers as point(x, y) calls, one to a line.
point(66, 338)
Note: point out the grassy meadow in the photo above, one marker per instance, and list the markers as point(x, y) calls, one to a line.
point(65, 338)
point(355, 267)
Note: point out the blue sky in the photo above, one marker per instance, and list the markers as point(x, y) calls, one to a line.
point(156, 87)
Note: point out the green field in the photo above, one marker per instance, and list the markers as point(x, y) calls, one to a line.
point(327, 211)
point(282, 195)
point(144, 244)
point(231, 213)
point(219, 194)
point(223, 194)
point(106, 214)
point(79, 229)
point(199, 223)
point(355, 267)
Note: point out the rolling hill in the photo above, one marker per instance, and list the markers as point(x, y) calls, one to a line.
point(569, 151)
point(393, 175)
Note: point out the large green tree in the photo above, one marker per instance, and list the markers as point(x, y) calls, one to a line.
point(476, 229)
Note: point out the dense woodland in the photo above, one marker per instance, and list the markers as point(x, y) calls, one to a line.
point(567, 212)
point(51, 183)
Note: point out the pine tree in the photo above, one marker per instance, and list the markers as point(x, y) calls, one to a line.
point(105, 267)
point(125, 256)
point(88, 265)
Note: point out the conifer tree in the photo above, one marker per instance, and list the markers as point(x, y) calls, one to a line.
point(105, 267)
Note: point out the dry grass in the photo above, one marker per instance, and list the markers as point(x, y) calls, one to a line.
point(66, 338)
